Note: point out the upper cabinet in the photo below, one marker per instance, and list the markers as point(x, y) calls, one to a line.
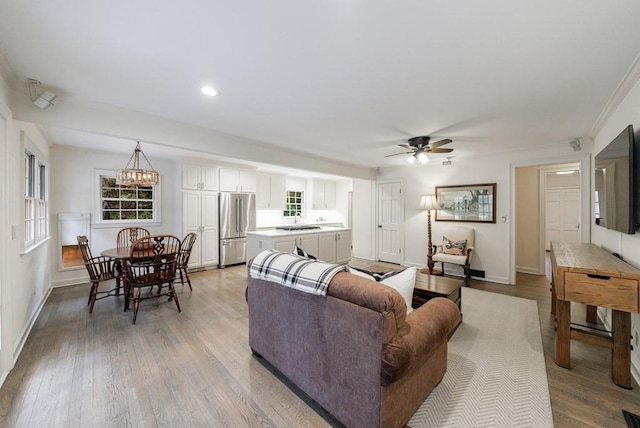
point(271, 192)
point(237, 180)
point(199, 177)
point(324, 195)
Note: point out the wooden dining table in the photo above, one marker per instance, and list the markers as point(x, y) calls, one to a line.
point(122, 255)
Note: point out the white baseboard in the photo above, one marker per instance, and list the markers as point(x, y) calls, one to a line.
point(528, 270)
point(70, 281)
point(27, 330)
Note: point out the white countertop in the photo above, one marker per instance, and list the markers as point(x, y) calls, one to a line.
point(273, 233)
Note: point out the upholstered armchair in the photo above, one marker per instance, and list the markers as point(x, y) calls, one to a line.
point(456, 248)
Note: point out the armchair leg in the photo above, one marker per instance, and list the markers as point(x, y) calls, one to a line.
point(467, 274)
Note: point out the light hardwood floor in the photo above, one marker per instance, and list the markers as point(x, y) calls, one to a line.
point(195, 368)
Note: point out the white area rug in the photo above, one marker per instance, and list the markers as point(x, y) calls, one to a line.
point(496, 374)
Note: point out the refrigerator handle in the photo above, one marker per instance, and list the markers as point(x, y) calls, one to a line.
point(242, 214)
point(237, 215)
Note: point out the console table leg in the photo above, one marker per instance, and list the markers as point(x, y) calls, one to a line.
point(563, 333)
point(621, 353)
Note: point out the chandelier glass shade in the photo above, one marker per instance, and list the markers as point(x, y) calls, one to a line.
point(133, 175)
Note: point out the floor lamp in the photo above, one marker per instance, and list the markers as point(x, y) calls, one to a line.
point(429, 203)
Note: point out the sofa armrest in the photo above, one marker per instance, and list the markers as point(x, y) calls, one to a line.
point(430, 324)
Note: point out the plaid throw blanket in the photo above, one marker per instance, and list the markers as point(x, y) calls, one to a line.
point(301, 273)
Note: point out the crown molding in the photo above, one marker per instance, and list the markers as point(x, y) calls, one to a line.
point(622, 90)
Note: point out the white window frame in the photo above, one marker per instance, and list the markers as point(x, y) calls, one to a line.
point(97, 212)
point(35, 171)
point(286, 213)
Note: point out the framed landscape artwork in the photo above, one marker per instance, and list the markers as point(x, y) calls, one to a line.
point(471, 203)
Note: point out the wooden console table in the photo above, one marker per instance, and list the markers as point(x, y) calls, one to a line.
point(585, 273)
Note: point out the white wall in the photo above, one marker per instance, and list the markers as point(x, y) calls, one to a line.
point(493, 252)
point(628, 112)
point(364, 218)
point(528, 219)
point(73, 190)
point(26, 276)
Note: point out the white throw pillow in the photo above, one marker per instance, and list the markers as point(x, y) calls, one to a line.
point(402, 281)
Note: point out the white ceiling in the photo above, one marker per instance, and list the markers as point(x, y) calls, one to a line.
point(341, 79)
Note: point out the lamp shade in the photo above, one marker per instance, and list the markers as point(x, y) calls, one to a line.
point(429, 202)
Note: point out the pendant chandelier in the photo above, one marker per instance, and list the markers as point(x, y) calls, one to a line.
point(133, 175)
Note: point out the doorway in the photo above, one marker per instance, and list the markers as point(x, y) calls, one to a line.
point(549, 205)
point(390, 222)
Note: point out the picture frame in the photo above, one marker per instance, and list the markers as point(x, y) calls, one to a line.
point(475, 203)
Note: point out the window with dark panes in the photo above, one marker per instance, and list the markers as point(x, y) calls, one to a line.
point(294, 203)
point(126, 203)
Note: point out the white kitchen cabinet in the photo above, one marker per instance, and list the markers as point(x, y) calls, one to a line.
point(199, 177)
point(256, 245)
point(323, 194)
point(308, 242)
point(271, 191)
point(285, 244)
point(335, 247)
point(237, 180)
point(328, 246)
point(200, 216)
point(343, 246)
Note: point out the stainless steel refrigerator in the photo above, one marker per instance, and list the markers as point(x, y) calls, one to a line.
point(237, 216)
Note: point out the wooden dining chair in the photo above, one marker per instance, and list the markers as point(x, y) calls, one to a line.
point(183, 260)
point(127, 236)
point(100, 269)
point(152, 265)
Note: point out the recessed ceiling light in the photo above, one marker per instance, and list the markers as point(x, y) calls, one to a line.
point(564, 172)
point(208, 90)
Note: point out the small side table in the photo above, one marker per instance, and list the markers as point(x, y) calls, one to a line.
point(428, 287)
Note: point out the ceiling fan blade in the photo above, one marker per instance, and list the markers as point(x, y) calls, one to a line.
point(437, 150)
point(441, 143)
point(405, 146)
point(398, 154)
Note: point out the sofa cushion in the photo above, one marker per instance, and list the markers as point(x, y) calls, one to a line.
point(402, 281)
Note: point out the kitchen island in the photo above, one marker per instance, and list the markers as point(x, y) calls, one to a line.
point(327, 243)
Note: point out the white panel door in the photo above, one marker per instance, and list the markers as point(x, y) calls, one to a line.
point(562, 216)
point(191, 212)
point(390, 214)
point(209, 229)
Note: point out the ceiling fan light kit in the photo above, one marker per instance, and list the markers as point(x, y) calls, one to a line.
point(419, 147)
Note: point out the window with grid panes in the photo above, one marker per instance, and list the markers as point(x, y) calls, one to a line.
point(126, 203)
point(35, 200)
point(294, 203)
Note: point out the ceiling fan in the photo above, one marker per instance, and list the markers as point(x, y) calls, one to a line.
point(419, 147)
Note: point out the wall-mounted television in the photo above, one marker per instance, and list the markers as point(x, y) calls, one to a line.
point(616, 184)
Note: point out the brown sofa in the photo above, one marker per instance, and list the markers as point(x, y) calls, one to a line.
point(354, 351)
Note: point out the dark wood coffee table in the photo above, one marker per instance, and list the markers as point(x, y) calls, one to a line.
point(430, 286)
